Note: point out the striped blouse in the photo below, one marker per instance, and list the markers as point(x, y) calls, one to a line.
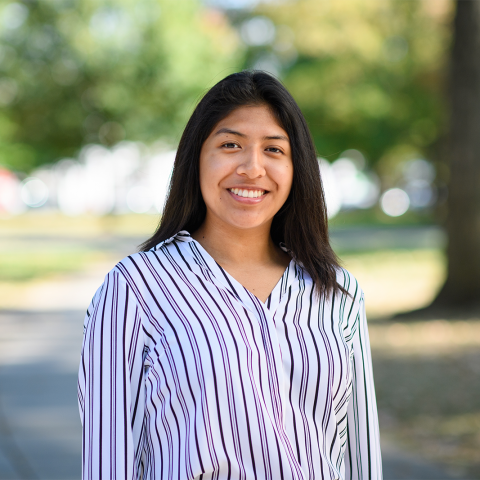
point(185, 374)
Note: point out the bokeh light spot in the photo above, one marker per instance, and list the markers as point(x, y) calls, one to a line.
point(258, 31)
point(14, 15)
point(395, 202)
point(34, 192)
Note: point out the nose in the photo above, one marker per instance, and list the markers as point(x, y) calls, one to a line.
point(252, 165)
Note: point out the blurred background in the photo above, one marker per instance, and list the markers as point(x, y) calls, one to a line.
point(94, 95)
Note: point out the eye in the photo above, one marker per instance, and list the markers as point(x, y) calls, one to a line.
point(230, 145)
point(274, 150)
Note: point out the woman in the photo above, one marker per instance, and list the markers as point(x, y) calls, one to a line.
point(233, 346)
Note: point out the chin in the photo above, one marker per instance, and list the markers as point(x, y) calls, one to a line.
point(248, 225)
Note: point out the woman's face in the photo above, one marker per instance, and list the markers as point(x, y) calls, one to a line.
point(246, 169)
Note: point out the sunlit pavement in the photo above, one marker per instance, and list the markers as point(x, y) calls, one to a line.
point(40, 435)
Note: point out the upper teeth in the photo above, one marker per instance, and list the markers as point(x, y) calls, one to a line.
point(247, 193)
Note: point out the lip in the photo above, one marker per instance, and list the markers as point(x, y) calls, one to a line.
point(247, 200)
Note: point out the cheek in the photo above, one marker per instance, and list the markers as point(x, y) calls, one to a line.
point(284, 177)
point(207, 172)
point(212, 171)
point(204, 175)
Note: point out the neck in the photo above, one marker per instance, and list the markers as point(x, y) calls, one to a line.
point(231, 246)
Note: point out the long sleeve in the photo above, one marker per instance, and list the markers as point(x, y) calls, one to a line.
point(362, 456)
point(111, 390)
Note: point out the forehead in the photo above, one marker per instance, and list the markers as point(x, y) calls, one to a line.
point(251, 117)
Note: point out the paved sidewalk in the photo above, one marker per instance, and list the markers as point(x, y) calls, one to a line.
point(40, 434)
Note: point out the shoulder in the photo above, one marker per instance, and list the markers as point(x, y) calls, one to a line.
point(135, 264)
point(142, 269)
point(115, 286)
point(140, 263)
point(348, 281)
point(349, 304)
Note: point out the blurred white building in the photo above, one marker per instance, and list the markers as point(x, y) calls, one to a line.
point(346, 183)
point(126, 178)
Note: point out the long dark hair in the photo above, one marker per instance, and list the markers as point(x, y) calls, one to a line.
point(301, 224)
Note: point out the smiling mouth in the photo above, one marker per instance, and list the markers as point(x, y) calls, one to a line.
point(247, 193)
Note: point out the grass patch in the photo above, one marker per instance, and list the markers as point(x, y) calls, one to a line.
point(37, 245)
point(22, 266)
point(84, 226)
point(397, 280)
point(375, 217)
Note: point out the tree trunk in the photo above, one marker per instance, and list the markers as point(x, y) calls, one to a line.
point(462, 287)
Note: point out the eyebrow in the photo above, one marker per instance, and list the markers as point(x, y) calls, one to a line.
point(228, 130)
point(239, 134)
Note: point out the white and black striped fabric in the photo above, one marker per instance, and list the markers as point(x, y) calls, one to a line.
point(185, 374)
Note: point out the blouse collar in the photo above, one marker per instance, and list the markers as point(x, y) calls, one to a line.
point(207, 268)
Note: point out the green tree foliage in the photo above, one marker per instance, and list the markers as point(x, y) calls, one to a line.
point(369, 74)
point(80, 71)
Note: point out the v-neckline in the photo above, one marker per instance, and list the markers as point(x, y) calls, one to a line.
point(233, 285)
point(268, 301)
